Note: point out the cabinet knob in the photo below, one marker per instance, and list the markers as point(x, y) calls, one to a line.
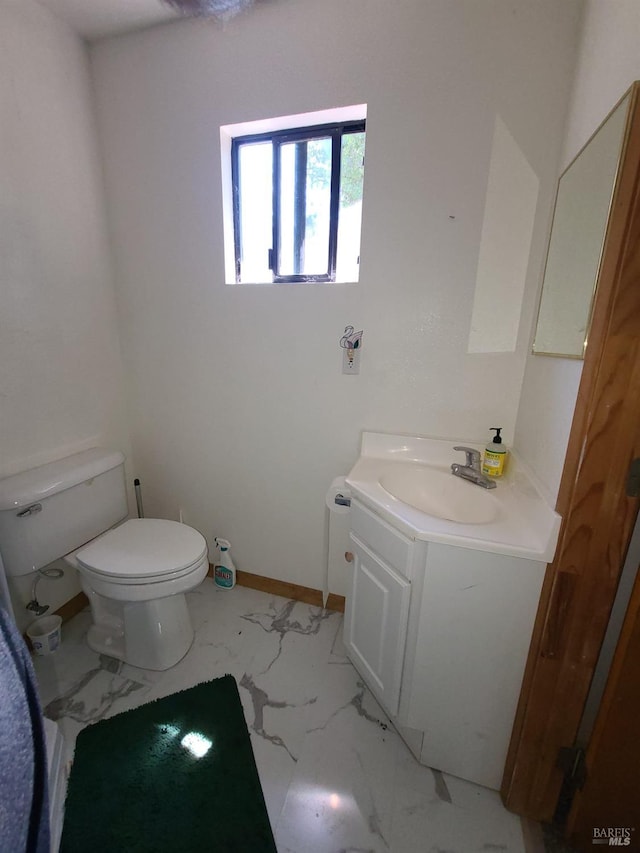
point(348, 556)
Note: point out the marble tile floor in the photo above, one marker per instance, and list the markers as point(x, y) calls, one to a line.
point(336, 776)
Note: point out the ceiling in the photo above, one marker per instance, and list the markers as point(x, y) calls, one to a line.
point(94, 19)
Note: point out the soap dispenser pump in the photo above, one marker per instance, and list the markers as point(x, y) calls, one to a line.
point(495, 455)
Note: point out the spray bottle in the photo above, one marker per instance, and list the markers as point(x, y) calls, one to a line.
point(224, 572)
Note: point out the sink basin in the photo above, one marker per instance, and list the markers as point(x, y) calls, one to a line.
point(439, 493)
point(406, 480)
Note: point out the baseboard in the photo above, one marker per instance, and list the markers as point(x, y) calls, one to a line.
point(335, 602)
point(292, 591)
point(283, 588)
point(72, 607)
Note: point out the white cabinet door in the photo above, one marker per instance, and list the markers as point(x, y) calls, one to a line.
point(375, 628)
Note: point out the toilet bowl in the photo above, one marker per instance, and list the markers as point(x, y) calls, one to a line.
point(135, 577)
point(135, 573)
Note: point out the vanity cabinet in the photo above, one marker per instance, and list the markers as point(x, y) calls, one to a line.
point(440, 635)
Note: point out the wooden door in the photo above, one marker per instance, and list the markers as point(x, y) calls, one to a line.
point(609, 802)
point(598, 516)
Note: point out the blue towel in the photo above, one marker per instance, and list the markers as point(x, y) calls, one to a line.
point(24, 801)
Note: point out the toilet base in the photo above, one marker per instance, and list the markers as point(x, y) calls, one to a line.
point(154, 634)
point(105, 641)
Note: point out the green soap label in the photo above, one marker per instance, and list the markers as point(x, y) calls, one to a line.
point(493, 463)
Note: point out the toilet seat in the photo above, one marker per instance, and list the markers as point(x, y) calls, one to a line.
point(144, 551)
point(147, 581)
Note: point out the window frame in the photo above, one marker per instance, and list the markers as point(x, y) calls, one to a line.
point(335, 131)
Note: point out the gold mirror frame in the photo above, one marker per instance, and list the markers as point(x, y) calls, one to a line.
point(585, 194)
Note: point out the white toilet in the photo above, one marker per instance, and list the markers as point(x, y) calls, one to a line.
point(135, 574)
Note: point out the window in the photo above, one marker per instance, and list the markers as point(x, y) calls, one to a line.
point(297, 202)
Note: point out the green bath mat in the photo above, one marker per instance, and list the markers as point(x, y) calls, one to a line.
point(174, 776)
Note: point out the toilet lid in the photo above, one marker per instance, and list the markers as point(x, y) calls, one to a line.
point(144, 548)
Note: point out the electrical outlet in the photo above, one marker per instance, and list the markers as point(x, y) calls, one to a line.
point(351, 360)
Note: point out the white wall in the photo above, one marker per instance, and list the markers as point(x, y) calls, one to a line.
point(60, 366)
point(608, 62)
point(239, 412)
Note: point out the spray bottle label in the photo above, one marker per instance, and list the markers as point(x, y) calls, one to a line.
point(223, 576)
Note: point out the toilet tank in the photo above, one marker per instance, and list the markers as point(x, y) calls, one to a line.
point(49, 511)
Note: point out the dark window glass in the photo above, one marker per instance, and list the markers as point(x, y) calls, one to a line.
point(298, 204)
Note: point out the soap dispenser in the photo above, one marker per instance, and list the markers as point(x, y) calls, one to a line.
point(495, 455)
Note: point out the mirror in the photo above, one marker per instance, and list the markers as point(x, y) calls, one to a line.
point(585, 192)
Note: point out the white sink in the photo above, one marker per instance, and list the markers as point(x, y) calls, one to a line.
point(407, 481)
point(440, 493)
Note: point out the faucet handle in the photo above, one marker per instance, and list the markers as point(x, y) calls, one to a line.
point(473, 457)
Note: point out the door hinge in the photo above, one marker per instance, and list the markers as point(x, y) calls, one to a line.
point(633, 480)
point(571, 759)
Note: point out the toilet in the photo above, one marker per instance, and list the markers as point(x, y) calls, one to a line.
point(135, 572)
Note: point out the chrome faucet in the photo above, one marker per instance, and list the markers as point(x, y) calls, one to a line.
point(471, 469)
